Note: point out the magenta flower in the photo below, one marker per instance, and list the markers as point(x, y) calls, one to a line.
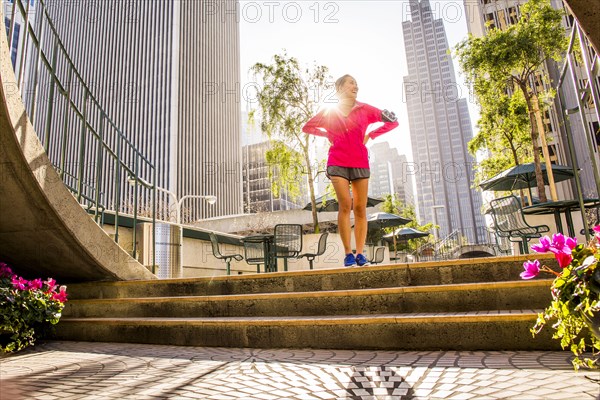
point(564, 259)
point(562, 246)
point(19, 283)
point(597, 230)
point(532, 269)
point(5, 271)
point(543, 246)
point(559, 244)
point(61, 296)
point(51, 283)
point(571, 242)
point(34, 284)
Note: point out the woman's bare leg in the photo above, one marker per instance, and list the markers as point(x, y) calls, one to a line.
point(360, 189)
point(342, 191)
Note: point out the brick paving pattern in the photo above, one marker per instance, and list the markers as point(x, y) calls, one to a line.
point(85, 370)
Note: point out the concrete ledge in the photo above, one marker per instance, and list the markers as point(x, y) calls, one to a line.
point(494, 269)
point(443, 298)
point(465, 331)
point(44, 232)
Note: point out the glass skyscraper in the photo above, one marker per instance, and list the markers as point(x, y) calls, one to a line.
point(440, 128)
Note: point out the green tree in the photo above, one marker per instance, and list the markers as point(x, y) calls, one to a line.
point(512, 59)
point(288, 97)
point(504, 134)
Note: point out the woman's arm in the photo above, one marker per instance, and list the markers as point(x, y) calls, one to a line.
point(315, 125)
point(387, 126)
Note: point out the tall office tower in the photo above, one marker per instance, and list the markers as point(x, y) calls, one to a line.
point(258, 195)
point(166, 72)
point(389, 173)
point(440, 128)
point(483, 15)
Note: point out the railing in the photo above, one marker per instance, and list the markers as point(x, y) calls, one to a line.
point(89, 151)
point(450, 247)
point(443, 249)
point(585, 95)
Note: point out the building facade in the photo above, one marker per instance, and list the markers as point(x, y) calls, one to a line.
point(440, 128)
point(167, 74)
point(483, 15)
point(258, 194)
point(389, 173)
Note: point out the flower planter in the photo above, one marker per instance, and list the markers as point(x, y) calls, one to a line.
point(575, 292)
point(28, 309)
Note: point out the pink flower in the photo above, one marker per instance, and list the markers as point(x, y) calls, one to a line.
point(34, 284)
point(19, 283)
point(51, 284)
point(559, 244)
point(532, 269)
point(564, 259)
point(61, 296)
point(571, 242)
point(597, 230)
point(543, 246)
point(5, 271)
point(562, 246)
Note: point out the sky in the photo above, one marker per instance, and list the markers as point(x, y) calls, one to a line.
point(358, 37)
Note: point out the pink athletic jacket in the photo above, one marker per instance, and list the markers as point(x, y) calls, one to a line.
point(347, 134)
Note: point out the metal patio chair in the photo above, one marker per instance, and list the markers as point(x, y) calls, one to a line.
point(510, 222)
point(287, 242)
point(217, 252)
point(378, 255)
point(320, 250)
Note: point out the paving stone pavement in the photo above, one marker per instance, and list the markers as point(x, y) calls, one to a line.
point(85, 370)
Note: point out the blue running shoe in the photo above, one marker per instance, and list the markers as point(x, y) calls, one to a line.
point(349, 260)
point(361, 260)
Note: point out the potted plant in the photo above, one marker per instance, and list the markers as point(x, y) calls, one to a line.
point(575, 307)
point(27, 309)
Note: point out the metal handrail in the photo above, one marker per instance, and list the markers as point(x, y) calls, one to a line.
point(442, 249)
point(578, 33)
point(92, 147)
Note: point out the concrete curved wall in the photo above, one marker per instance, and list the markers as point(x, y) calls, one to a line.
point(44, 232)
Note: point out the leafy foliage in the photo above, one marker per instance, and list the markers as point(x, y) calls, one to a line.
point(27, 308)
point(503, 133)
point(288, 97)
point(288, 165)
point(393, 205)
point(506, 61)
point(575, 305)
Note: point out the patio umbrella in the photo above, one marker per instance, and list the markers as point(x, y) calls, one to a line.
point(381, 220)
point(523, 177)
point(329, 203)
point(405, 234)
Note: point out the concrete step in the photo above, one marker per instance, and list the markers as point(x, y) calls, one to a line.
point(467, 297)
point(494, 269)
point(478, 304)
point(492, 330)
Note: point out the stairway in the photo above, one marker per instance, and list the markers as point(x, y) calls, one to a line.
point(477, 304)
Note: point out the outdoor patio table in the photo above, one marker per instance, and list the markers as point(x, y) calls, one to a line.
point(266, 240)
point(558, 207)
